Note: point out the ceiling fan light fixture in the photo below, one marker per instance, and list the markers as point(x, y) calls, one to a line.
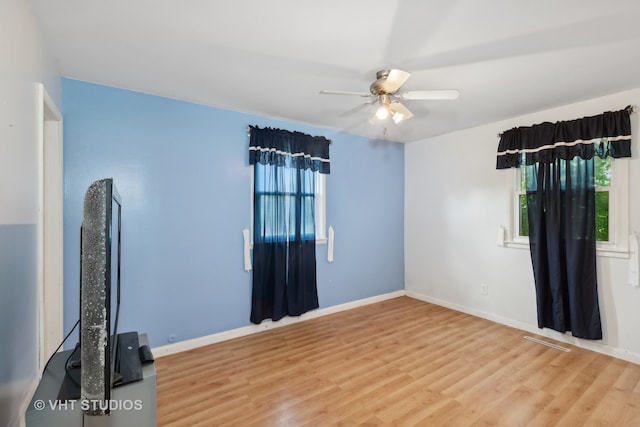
point(399, 112)
point(397, 117)
point(382, 113)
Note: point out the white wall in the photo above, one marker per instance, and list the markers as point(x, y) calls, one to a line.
point(23, 63)
point(455, 200)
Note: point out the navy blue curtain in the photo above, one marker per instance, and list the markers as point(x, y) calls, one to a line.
point(562, 239)
point(557, 159)
point(284, 245)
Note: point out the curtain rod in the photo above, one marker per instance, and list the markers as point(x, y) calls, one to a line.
point(249, 134)
point(630, 109)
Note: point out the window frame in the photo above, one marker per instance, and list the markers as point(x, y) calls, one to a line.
point(320, 206)
point(618, 244)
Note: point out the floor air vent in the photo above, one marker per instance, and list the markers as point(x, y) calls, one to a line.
point(548, 344)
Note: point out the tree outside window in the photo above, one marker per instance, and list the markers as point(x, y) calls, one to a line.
point(602, 174)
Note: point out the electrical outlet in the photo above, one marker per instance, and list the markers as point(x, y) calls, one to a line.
point(484, 289)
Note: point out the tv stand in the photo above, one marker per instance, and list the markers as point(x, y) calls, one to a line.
point(133, 404)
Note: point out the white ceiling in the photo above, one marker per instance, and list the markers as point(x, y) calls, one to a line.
point(506, 57)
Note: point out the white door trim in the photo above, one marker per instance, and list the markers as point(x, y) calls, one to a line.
point(50, 226)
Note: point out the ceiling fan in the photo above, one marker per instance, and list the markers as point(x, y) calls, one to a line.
point(385, 91)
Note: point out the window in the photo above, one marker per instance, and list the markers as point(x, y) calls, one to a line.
point(286, 168)
point(269, 197)
point(611, 179)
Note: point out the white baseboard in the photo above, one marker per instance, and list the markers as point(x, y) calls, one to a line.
point(533, 329)
point(181, 346)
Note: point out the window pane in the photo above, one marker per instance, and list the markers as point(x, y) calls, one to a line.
point(602, 216)
point(270, 225)
point(602, 171)
point(528, 177)
point(285, 202)
point(524, 216)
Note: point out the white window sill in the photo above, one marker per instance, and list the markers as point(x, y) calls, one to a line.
point(604, 250)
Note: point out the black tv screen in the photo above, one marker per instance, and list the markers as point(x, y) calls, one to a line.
point(100, 293)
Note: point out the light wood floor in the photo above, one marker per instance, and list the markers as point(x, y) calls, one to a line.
point(399, 362)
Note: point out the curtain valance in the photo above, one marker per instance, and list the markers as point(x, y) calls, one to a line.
point(282, 147)
point(607, 134)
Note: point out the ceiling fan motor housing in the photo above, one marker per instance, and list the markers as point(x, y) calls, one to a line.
point(376, 87)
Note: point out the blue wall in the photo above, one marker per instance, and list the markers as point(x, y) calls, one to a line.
point(182, 171)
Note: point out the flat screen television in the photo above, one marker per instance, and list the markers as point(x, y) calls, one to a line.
point(99, 294)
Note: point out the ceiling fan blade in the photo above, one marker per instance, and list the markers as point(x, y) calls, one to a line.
point(357, 108)
point(340, 92)
point(395, 79)
point(429, 94)
point(399, 112)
